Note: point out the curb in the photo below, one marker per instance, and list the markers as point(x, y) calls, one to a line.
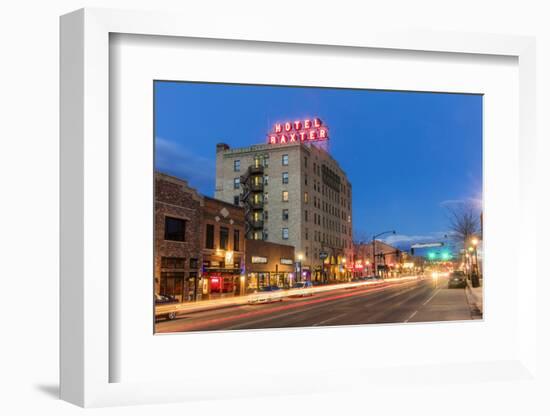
point(476, 306)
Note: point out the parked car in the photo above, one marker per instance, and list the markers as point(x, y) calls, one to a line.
point(164, 300)
point(303, 289)
point(266, 294)
point(457, 280)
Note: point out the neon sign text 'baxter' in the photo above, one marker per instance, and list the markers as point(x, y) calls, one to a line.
point(298, 131)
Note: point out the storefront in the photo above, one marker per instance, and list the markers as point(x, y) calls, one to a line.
point(220, 279)
point(269, 264)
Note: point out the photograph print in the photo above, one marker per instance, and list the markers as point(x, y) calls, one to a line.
point(300, 207)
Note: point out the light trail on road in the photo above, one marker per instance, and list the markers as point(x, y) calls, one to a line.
point(299, 304)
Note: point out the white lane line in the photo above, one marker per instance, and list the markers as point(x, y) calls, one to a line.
point(431, 297)
point(329, 319)
point(410, 317)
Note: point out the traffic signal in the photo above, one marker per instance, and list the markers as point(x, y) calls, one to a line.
point(431, 255)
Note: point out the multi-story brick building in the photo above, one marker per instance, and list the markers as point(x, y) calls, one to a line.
point(222, 244)
point(294, 193)
point(177, 238)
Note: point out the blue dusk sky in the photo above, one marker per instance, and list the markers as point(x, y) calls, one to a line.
point(408, 155)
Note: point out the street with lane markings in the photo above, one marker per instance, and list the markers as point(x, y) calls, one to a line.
point(418, 300)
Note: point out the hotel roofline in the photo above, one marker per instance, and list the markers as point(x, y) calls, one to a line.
point(231, 151)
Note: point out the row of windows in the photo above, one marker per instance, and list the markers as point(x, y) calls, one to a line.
point(178, 263)
point(223, 238)
point(259, 161)
point(174, 230)
point(284, 180)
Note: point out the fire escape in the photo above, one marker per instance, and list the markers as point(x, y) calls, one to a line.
point(252, 184)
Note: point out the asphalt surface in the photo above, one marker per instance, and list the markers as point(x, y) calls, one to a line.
point(422, 300)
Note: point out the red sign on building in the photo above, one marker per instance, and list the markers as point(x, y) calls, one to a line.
point(308, 130)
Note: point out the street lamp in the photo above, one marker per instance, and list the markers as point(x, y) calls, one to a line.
point(374, 237)
point(475, 242)
point(344, 266)
point(299, 268)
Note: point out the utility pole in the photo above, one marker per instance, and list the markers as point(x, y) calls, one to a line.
point(374, 249)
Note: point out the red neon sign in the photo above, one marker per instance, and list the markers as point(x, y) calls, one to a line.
point(309, 130)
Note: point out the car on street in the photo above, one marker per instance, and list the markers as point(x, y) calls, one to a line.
point(165, 300)
point(457, 279)
point(302, 289)
point(266, 294)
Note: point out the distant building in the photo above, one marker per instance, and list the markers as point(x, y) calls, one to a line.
point(294, 193)
point(386, 260)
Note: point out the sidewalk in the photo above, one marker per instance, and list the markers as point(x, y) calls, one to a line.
point(475, 297)
point(444, 305)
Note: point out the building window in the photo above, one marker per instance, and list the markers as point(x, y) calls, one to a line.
point(307, 235)
point(266, 217)
point(266, 179)
point(209, 236)
point(285, 233)
point(224, 237)
point(236, 240)
point(172, 262)
point(193, 263)
point(236, 183)
point(266, 195)
point(285, 178)
point(265, 235)
point(305, 162)
point(306, 198)
point(174, 229)
point(305, 180)
point(285, 214)
point(236, 200)
point(305, 215)
point(171, 283)
point(285, 196)
point(284, 160)
point(257, 235)
point(266, 161)
point(236, 165)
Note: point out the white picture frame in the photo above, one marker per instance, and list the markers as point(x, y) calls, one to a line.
point(86, 353)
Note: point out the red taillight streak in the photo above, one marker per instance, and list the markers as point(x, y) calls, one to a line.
point(286, 307)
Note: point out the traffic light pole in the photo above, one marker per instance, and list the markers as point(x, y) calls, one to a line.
point(374, 237)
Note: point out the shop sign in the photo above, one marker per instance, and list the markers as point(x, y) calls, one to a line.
point(308, 130)
point(287, 261)
point(323, 255)
point(258, 259)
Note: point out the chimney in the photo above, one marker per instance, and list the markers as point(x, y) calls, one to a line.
point(220, 147)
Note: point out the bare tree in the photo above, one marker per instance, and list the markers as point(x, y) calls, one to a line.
point(463, 222)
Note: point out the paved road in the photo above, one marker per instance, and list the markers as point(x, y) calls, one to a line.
point(411, 301)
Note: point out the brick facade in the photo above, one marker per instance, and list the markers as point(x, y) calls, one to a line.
point(177, 263)
point(222, 266)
